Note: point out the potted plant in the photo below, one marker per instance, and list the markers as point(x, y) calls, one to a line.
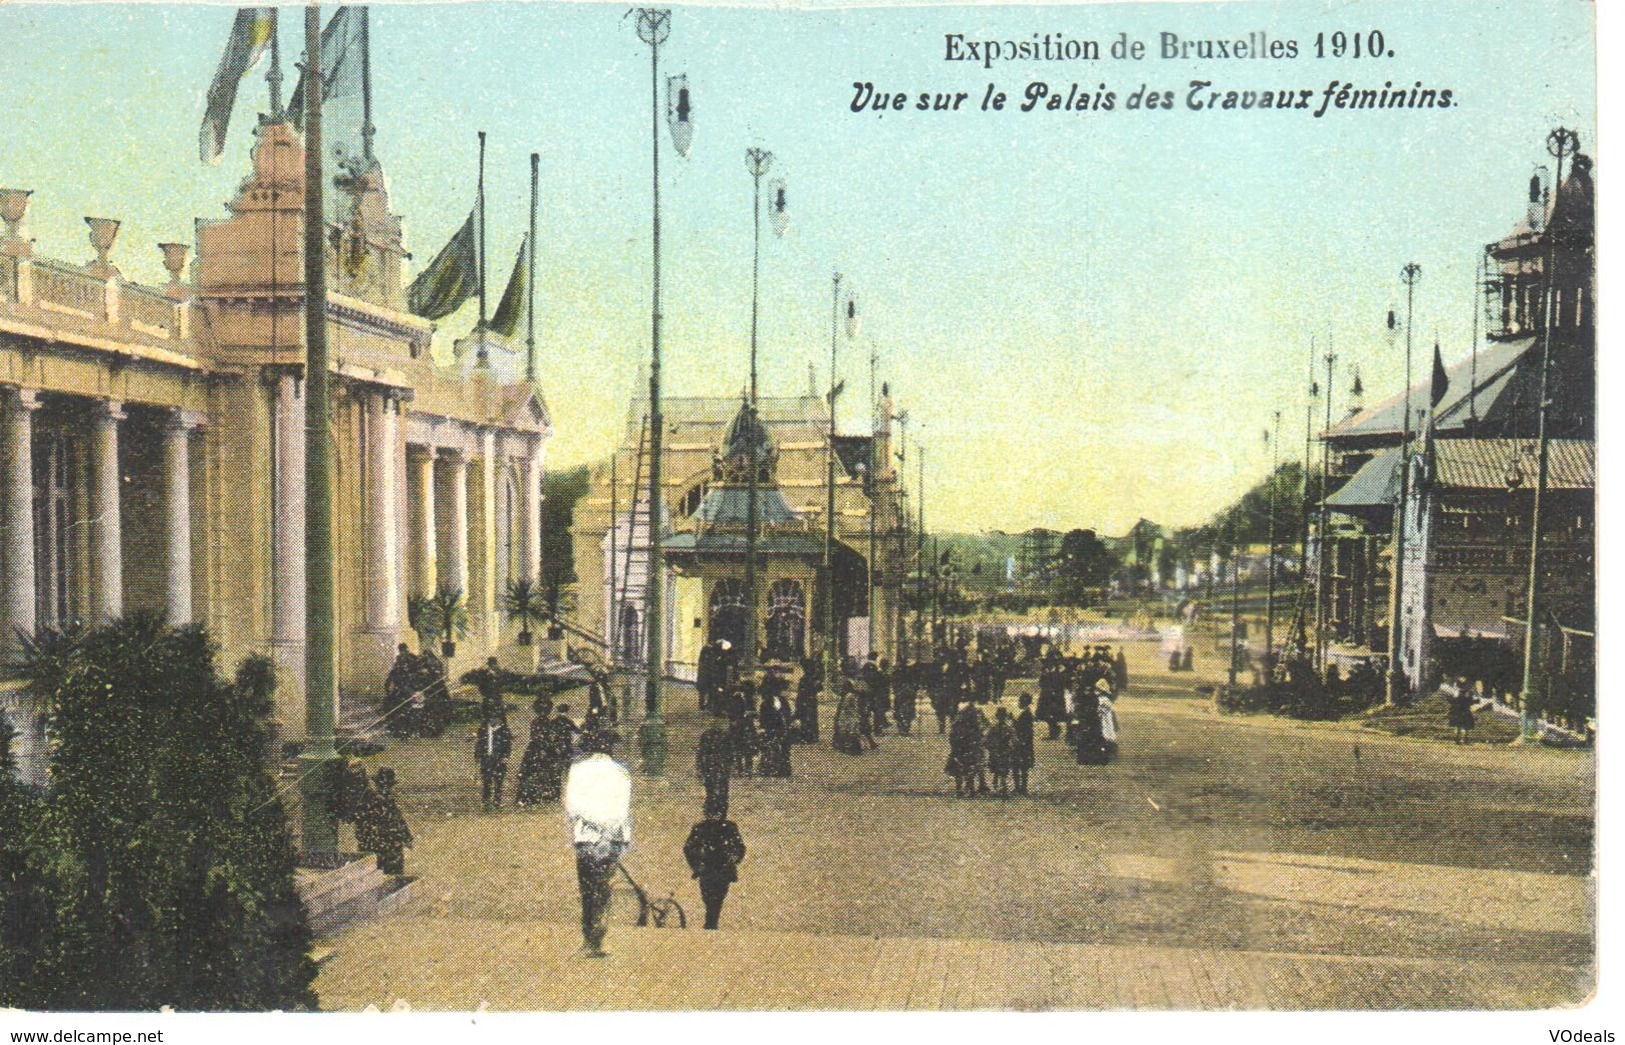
point(422, 617)
point(452, 618)
point(524, 605)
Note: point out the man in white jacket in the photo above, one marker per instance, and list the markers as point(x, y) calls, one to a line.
point(598, 805)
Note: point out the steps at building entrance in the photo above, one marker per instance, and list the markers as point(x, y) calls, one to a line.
point(353, 892)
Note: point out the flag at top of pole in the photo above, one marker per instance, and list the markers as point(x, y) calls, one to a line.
point(346, 94)
point(1441, 381)
point(251, 36)
point(451, 278)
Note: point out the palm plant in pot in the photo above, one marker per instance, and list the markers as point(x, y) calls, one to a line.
point(423, 617)
point(524, 605)
point(452, 618)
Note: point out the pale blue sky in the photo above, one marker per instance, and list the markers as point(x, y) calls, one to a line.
point(1093, 315)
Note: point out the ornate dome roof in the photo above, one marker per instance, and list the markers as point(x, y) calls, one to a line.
point(746, 438)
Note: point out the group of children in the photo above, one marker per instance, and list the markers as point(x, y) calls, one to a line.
point(1002, 747)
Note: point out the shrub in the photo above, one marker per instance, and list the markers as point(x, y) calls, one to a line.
point(25, 911)
point(163, 846)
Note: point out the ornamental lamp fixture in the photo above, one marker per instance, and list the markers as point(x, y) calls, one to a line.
point(778, 213)
point(680, 114)
point(853, 321)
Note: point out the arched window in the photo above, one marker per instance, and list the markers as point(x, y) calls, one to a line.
point(508, 541)
point(630, 633)
point(728, 612)
point(786, 620)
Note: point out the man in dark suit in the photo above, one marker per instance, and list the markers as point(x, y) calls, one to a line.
point(1024, 742)
point(492, 745)
point(715, 758)
point(713, 851)
point(707, 675)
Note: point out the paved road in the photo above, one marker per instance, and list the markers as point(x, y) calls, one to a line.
point(1222, 862)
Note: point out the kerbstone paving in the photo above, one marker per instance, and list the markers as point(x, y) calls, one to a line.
point(1221, 862)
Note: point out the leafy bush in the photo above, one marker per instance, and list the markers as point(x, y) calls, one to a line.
point(25, 912)
point(161, 844)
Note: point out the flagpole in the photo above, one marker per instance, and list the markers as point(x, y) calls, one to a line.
point(273, 76)
point(1269, 589)
point(319, 826)
point(1323, 561)
point(1304, 503)
point(481, 359)
point(530, 277)
point(1472, 375)
point(366, 85)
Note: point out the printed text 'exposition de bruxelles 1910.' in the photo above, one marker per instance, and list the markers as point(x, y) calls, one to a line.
point(1058, 47)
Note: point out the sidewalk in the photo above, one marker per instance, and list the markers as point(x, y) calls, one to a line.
point(1222, 861)
point(458, 964)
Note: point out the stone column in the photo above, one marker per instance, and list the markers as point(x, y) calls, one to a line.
point(106, 531)
point(428, 579)
point(490, 623)
point(380, 499)
point(531, 561)
point(288, 543)
point(17, 509)
point(383, 552)
point(456, 577)
point(178, 521)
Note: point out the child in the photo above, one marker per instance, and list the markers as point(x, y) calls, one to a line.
point(1001, 752)
point(1024, 757)
point(381, 828)
point(713, 851)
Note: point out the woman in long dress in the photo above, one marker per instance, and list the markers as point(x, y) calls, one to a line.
point(965, 750)
point(775, 736)
point(533, 765)
point(1092, 749)
point(848, 737)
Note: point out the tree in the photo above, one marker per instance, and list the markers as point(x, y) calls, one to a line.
point(1082, 565)
point(564, 489)
point(163, 843)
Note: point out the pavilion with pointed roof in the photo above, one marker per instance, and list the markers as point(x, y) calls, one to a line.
point(1473, 457)
point(711, 443)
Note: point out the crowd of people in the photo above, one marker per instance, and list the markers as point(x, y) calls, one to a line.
point(754, 721)
point(417, 700)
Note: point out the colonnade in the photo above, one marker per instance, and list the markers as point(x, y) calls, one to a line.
point(21, 577)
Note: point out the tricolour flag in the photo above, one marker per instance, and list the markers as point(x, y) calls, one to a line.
point(511, 309)
point(251, 36)
point(451, 278)
point(344, 56)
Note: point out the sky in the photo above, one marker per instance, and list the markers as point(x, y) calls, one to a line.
point(1090, 317)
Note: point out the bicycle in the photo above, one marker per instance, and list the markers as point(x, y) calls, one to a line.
point(657, 913)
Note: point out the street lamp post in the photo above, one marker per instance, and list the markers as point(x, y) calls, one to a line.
point(1323, 562)
point(654, 26)
point(1561, 143)
point(1269, 596)
point(922, 644)
point(1235, 598)
point(831, 641)
point(1398, 683)
point(319, 821)
point(758, 162)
